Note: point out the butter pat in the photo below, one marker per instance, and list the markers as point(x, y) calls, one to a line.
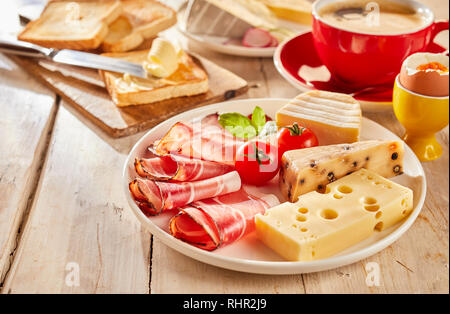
point(311, 169)
point(321, 225)
point(163, 58)
point(334, 118)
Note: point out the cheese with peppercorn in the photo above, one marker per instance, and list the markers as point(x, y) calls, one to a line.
point(306, 170)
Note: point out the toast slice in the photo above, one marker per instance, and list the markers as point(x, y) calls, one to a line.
point(189, 79)
point(80, 25)
point(140, 20)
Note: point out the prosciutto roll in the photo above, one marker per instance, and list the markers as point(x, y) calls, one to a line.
point(215, 222)
point(179, 168)
point(202, 139)
point(154, 197)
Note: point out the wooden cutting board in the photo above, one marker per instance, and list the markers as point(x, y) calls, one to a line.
point(84, 90)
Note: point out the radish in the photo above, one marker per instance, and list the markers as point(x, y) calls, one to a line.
point(258, 38)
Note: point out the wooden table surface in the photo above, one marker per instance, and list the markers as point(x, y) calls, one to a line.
point(62, 207)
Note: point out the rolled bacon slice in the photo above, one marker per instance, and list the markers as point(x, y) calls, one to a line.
point(179, 168)
point(202, 139)
point(215, 222)
point(154, 197)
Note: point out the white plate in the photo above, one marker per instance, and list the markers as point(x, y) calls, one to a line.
point(216, 43)
point(248, 254)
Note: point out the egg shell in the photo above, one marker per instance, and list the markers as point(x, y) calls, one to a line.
point(428, 83)
point(425, 82)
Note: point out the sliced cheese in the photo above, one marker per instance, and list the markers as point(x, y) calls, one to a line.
point(334, 118)
point(250, 11)
point(294, 10)
point(311, 169)
point(321, 225)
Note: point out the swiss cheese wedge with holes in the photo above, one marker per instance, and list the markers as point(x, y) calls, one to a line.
point(321, 225)
point(334, 118)
point(311, 169)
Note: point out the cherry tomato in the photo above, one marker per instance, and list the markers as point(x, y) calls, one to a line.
point(295, 137)
point(257, 162)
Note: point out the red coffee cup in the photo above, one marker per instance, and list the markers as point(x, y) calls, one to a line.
point(363, 59)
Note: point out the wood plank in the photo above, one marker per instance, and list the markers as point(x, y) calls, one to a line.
point(80, 216)
point(27, 116)
point(173, 272)
point(27, 112)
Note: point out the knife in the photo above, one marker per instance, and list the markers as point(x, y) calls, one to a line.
point(71, 57)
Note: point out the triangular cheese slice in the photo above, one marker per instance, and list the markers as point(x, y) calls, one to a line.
point(251, 11)
point(333, 117)
point(321, 225)
point(294, 10)
point(311, 169)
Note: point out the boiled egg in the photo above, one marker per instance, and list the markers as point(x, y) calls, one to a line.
point(426, 74)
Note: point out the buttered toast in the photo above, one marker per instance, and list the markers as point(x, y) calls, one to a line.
point(140, 20)
point(81, 25)
point(189, 79)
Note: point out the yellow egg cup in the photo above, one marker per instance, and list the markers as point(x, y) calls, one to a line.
point(422, 116)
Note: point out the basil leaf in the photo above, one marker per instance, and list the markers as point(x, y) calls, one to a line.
point(238, 125)
point(258, 119)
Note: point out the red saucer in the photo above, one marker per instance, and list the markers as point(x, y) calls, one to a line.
point(298, 62)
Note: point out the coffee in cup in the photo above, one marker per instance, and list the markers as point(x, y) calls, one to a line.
point(364, 43)
point(372, 17)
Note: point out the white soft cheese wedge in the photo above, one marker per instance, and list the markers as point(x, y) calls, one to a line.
point(311, 169)
point(250, 11)
point(294, 10)
point(321, 225)
point(334, 118)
